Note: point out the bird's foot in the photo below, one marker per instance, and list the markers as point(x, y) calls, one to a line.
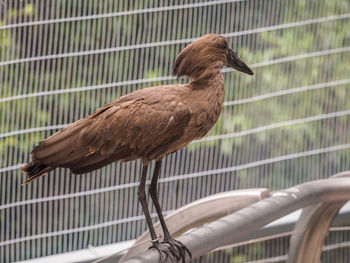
point(172, 249)
point(181, 248)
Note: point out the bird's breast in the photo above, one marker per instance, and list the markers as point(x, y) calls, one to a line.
point(207, 119)
point(205, 109)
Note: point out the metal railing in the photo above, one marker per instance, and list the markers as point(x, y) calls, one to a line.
point(320, 200)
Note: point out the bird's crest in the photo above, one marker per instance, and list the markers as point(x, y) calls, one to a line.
point(194, 59)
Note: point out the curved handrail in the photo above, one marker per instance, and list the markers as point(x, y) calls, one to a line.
point(195, 214)
point(312, 228)
point(231, 228)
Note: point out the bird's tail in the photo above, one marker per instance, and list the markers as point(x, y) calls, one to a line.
point(35, 169)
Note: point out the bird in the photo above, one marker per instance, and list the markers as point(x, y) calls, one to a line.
point(147, 124)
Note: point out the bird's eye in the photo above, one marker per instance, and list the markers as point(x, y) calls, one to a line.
point(224, 47)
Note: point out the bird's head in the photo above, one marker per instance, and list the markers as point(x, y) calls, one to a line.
point(209, 52)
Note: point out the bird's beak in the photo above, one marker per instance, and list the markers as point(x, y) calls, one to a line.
point(237, 63)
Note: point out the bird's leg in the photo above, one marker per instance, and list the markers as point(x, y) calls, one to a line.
point(154, 195)
point(177, 249)
point(163, 251)
point(143, 200)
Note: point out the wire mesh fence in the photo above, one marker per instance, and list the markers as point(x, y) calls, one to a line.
point(61, 60)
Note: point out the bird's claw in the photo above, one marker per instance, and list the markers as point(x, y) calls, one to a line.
point(181, 249)
point(172, 249)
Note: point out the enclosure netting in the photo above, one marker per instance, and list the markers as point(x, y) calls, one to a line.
point(60, 60)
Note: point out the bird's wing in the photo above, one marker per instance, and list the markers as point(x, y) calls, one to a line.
point(143, 124)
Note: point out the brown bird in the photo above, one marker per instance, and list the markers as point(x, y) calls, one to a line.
point(147, 124)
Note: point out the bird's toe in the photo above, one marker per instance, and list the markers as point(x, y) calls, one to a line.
point(172, 249)
point(165, 251)
point(181, 249)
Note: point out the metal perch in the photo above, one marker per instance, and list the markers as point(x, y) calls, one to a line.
point(233, 227)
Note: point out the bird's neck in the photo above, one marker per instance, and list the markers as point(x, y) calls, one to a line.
point(211, 77)
point(210, 88)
